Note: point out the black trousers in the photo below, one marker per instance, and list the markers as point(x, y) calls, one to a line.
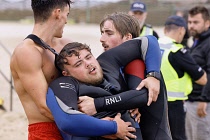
point(176, 115)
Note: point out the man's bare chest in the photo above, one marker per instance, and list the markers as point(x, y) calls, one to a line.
point(49, 69)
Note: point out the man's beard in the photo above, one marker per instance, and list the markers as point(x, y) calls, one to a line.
point(194, 34)
point(96, 80)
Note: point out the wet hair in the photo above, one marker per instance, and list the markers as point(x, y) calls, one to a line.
point(200, 10)
point(42, 9)
point(123, 23)
point(67, 51)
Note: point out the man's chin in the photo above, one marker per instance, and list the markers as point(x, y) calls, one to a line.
point(194, 34)
point(106, 49)
point(93, 82)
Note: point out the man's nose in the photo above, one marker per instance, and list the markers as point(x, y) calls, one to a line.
point(88, 64)
point(190, 25)
point(103, 38)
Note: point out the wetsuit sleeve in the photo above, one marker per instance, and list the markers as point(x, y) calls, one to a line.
point(144, 48)
point(153, 55)
point(62, 102)
point(124, 101)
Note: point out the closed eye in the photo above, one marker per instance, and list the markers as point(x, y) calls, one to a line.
point(78, 63)
point(89, 56)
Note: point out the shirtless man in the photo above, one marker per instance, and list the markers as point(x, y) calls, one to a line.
point(33, 68)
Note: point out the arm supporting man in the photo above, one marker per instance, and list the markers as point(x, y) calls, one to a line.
point(62, 100)
point(124, 101)
point(74, 122)
point(134, 49)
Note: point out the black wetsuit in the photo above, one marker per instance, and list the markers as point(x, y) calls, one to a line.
point(63, 94)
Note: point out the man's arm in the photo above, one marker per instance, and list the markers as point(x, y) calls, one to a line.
point(152, 62)
point(136, 68)
point(144, 48)
point(62, 100)
point(32, 77)
point(76, 123)
point(202, 80)
point(202, 106)
point(188, 64)
point(151, 54)
point(124, 101)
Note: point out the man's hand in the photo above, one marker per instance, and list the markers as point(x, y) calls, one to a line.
point(153, 85)
point(201, 110)
point(86, 105)
point(124, 129)
point(136, 114)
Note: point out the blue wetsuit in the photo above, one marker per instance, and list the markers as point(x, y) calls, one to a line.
point(63, 92)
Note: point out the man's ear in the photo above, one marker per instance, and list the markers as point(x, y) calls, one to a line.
point(207, 24)
point(128, 36)
point(56, 13)
point(65, 73)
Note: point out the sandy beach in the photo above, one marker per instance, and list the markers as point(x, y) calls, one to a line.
point(13, 124)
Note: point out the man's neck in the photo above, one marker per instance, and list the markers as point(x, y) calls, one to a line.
point(44, 31)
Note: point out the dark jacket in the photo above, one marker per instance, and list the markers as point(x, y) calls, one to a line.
point(201, 54)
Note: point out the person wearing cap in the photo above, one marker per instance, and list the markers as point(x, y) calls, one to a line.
point(138, 9)
point(179, 70)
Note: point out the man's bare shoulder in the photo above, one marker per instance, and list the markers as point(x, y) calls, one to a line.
point(25, 53)
point(26, 46)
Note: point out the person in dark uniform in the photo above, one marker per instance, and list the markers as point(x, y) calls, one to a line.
point(111, 77)
point(138, 9)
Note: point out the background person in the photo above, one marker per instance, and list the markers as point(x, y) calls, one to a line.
point(138, 9)
point(178, 74)
point(198, 104)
